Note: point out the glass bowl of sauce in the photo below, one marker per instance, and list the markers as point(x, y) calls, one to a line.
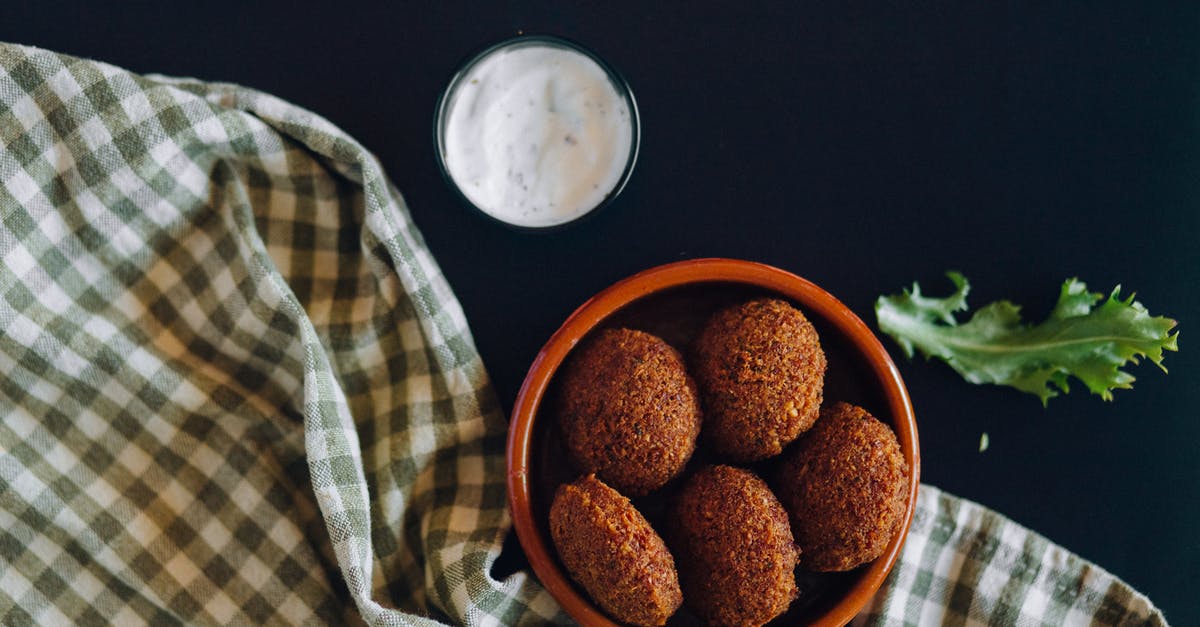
point(537, 132)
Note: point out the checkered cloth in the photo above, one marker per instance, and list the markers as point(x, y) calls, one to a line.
point(235, 388)
point(963, 564)
point(234, 385)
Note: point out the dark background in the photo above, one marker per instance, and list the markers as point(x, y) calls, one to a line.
point(859, 146)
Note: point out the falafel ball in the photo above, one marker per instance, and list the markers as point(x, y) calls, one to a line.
point(629, 412)
point(734, 546)
point(761, 372)
point(610, 549)
point(845, 485)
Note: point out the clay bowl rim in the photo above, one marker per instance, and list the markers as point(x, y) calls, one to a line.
point(539, 550)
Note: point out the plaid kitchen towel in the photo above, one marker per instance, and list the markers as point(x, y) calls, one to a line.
point(234, 385)
point(236, 389)
point(963, 564)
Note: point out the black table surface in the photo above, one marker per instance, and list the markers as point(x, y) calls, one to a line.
point(860, 147)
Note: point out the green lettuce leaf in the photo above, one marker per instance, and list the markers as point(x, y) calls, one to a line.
point(1080, 339)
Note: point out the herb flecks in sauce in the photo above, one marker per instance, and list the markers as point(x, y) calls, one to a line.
point(563, 108)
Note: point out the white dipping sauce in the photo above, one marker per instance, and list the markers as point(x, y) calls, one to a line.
point(536, 134)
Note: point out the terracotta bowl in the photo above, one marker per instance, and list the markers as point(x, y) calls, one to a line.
point(672, 301)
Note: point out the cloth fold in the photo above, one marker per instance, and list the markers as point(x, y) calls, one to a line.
point(236, 389)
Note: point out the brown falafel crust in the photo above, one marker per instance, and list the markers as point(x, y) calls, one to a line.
point(761, 372)
point(629, 412)
point(735, 549)
point(845, 485)
point(610, 549)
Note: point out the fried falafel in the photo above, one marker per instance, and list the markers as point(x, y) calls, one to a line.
point(761, 370)
point(734, 547)
point(628, 410)
point(611, 550)
point(845, 486)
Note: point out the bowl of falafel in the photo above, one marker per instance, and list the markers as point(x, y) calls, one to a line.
point(712, 442)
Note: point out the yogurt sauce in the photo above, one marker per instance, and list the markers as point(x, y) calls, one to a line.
point(536, 134)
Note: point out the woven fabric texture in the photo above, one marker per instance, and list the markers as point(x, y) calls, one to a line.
point(235, 386)
point(963, 564)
